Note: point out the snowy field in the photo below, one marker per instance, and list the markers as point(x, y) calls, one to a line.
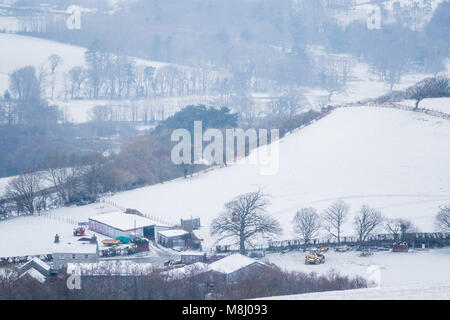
point(400, 167)
point(395, 269)
point(34, 235)
point(394, 160)
point(439, 291)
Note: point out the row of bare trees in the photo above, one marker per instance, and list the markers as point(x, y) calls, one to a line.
point(113, 76)
point(307, 223)
point(245, 220)
point(64, 180)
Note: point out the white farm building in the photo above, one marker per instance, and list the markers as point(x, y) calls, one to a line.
point(118, 224)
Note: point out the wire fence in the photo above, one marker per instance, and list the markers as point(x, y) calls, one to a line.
point(146, 215)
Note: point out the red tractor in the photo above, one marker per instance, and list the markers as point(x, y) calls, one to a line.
point(400, 247)
point(80, 231)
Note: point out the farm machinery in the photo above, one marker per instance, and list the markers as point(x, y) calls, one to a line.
point(315, 256)
point(79, 231)
point(400, 247)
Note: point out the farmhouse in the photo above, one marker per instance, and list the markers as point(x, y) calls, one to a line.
point(118, 224)
point(74, 252)
point(36, 269)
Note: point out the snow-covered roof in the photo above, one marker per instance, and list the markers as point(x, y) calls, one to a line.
point(186, 271)
point(192, 253)
point(122, 268)
point(173, 233)
point(124, 221)
point(232, 263)
point(39, 262)
point(75, 247)
point(32, 272)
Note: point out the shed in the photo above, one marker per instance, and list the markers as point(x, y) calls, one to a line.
point(189, 257)
point(191, 224)
point(118, 224)
point(173, 238)
point(229, 269)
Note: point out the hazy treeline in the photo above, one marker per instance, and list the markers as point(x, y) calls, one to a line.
point(264, 44)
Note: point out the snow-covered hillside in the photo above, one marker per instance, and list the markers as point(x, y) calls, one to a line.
point(394, 160)
point(438, 291)
point(385, 269)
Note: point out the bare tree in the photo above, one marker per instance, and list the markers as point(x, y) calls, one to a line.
point(245, 218)
point(306, 224)
point(366, 221)
point(334, 217)
point(54, 60)
point(429, 88)
point(63, 174)
point(443, 219)
point(77, 77)
point(24, 191)
point(399, 228)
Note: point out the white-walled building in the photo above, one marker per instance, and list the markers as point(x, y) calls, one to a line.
point(118, 224)
point(74, 252)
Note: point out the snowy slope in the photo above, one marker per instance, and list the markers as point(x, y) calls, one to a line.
point(439, 291)
point(435, 104)
point(395, 269)
point(394, 160)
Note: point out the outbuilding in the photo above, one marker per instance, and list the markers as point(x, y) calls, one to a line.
point(35, 265)
point(229, 269)
point(189, 257)
point(175, 238)
point(119, 224)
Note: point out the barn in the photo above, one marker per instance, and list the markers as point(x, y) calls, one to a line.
point(119, 224)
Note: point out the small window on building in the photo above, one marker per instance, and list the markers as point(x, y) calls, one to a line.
point(74, 256)
point(86, 256)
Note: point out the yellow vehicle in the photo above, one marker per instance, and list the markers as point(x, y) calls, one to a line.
point(110, 242)
point(314, 257)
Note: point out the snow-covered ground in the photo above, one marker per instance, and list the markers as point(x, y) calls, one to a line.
point(394, 160)
point(19, 51)
point(416, 267)
point(435, 104)
point(361, 10)
point(438, 291)
point(34, 235)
